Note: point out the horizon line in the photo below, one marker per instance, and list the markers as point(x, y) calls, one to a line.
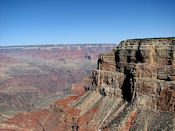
point(45, 45)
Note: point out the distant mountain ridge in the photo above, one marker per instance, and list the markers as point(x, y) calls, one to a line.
point(31, 77)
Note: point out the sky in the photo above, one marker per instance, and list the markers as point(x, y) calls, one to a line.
point(37, 22)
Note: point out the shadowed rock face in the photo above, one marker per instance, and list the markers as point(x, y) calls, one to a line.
point(132, 89)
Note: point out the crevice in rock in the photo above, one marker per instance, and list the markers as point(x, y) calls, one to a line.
point(171, 57)
point(102, 91)
point(127, 87)
point(129, 56)
point(99, 63)
point(138, 55)
point(117, 59)
point(128, 59)
point(165, 79)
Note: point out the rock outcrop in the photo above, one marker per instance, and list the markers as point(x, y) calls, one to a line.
point(133, 88)
point(145, 71)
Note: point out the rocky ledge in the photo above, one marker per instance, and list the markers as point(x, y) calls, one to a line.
point(133, 88)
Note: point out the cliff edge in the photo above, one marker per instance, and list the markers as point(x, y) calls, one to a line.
point(148, 68)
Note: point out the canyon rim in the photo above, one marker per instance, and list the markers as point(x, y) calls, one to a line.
point(133, 88)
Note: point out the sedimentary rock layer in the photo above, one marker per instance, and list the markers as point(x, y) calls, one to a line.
point(148, 66)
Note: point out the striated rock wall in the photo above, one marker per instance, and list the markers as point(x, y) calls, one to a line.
point(148, 66)
point(108, 83)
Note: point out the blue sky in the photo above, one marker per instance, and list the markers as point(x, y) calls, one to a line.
point(29, 22)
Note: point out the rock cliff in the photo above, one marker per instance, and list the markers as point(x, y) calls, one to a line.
point(133, 88)
point(140, 70)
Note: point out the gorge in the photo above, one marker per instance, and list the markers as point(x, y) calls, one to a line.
point(31, 77)
point(133, 88)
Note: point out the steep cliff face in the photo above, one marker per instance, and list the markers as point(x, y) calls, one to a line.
point(133, 88)
point(148, 66)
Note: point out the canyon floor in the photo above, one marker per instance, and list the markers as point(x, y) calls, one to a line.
point(32, 77)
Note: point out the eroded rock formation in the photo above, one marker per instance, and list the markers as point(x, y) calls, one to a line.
point(148, 66)
point(133, 88)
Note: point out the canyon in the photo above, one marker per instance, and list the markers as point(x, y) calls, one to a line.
point(32, 77)
point(132, 88)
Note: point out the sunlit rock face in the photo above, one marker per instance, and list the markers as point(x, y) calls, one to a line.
point(145, 70)
point(133, 88)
